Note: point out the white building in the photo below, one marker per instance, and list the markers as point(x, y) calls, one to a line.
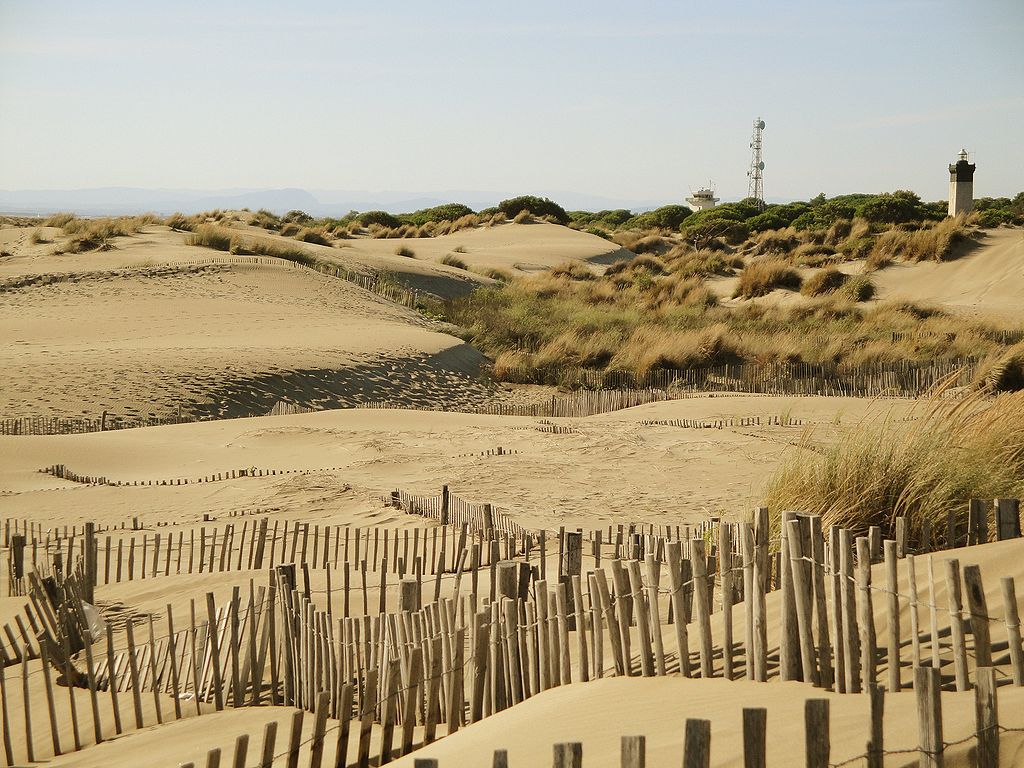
point(703, 198)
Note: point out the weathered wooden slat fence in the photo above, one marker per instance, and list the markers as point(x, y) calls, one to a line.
point(497, 623)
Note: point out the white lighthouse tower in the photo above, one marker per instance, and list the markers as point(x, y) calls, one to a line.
point(961, 185)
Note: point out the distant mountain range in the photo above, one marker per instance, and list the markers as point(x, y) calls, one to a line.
point(118, 201)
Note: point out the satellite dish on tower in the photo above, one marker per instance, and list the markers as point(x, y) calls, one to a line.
point(760, 124)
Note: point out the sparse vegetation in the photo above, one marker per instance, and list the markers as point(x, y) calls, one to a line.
point(317, 237)
point(404, 251)
point(451, 260)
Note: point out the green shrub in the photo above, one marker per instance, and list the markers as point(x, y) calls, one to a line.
point(536, 206)
point(297, 217)
point(446, 212)
point(380, 218)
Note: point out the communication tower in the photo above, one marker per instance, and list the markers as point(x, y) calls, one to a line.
point(756, 172)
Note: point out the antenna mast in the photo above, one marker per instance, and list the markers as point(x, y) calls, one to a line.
point(756, 172)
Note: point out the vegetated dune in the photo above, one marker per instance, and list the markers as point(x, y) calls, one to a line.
point(510, 247)
point(987, 279)
point(135, 331)
point(606, 467)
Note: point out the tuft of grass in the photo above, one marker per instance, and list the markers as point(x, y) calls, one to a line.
point(497, 274)
point(182, 223)
point(58, 220)
point(1005, 372)
point(451, 260)
point(290, 229)
point(314, 236)
point(36, 237)
point(209, 236)
point(953, 451)
point(857, 288)
point(523, 217)
point(405, 251)
point(762, 276)
point(825, 281)
point(935, 243)
point(572, 270)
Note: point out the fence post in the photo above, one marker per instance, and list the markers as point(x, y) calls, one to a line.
point(986, 709)
point(634, 752)
point(816, 732)
point(1012, 621)
point(755, 721)
point(1007, 512)
point(929, 716)
point(697, 744)
point(568, 755)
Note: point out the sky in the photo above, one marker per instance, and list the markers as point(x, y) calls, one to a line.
point(643, 100)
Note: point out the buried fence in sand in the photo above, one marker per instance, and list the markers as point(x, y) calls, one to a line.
point(598, 392)
point(478, 616)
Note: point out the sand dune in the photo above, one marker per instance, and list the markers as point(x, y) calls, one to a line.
point(608, 466)
point(986, 279)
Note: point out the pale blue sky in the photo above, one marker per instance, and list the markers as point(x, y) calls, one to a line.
point(627, 100)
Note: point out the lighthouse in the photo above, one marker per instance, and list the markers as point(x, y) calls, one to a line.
point(961, 185)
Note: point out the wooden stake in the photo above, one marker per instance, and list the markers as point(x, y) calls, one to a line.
point(697, 742)
point(816, 728)
point(956, 623)
point(986, 709)
point(755, 721)
point(929, 717)
point(1012, 620)
point(634, 752)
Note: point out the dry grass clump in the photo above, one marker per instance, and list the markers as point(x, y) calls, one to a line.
point(451, 260)
point(315, 236)
point(779, 242)
point(935, 243)
point(762, 276)
point(879, 470)
point(402, 250)
point(36, 237)
point(651, 347)
point(813, 255)
point(106, 228)
point(572, 270)
point(1004, 372)
point(523, 217)
point(825, 281)
point(182, 223)
point(497, 274)
point(59, 220)
point(681, 290)
point(291, 229)
point(857, 288)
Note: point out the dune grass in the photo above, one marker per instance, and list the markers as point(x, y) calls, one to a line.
point(762, 276)
point(451, 260)
point(402, 250)
point(954, 450)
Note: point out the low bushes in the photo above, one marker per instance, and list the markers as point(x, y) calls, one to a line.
point(451, 260)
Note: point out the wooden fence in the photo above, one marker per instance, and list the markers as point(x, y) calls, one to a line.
point(880, 379)
point(697, 750)
point(503, 623)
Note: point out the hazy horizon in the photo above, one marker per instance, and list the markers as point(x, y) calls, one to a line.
point(598, 100)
